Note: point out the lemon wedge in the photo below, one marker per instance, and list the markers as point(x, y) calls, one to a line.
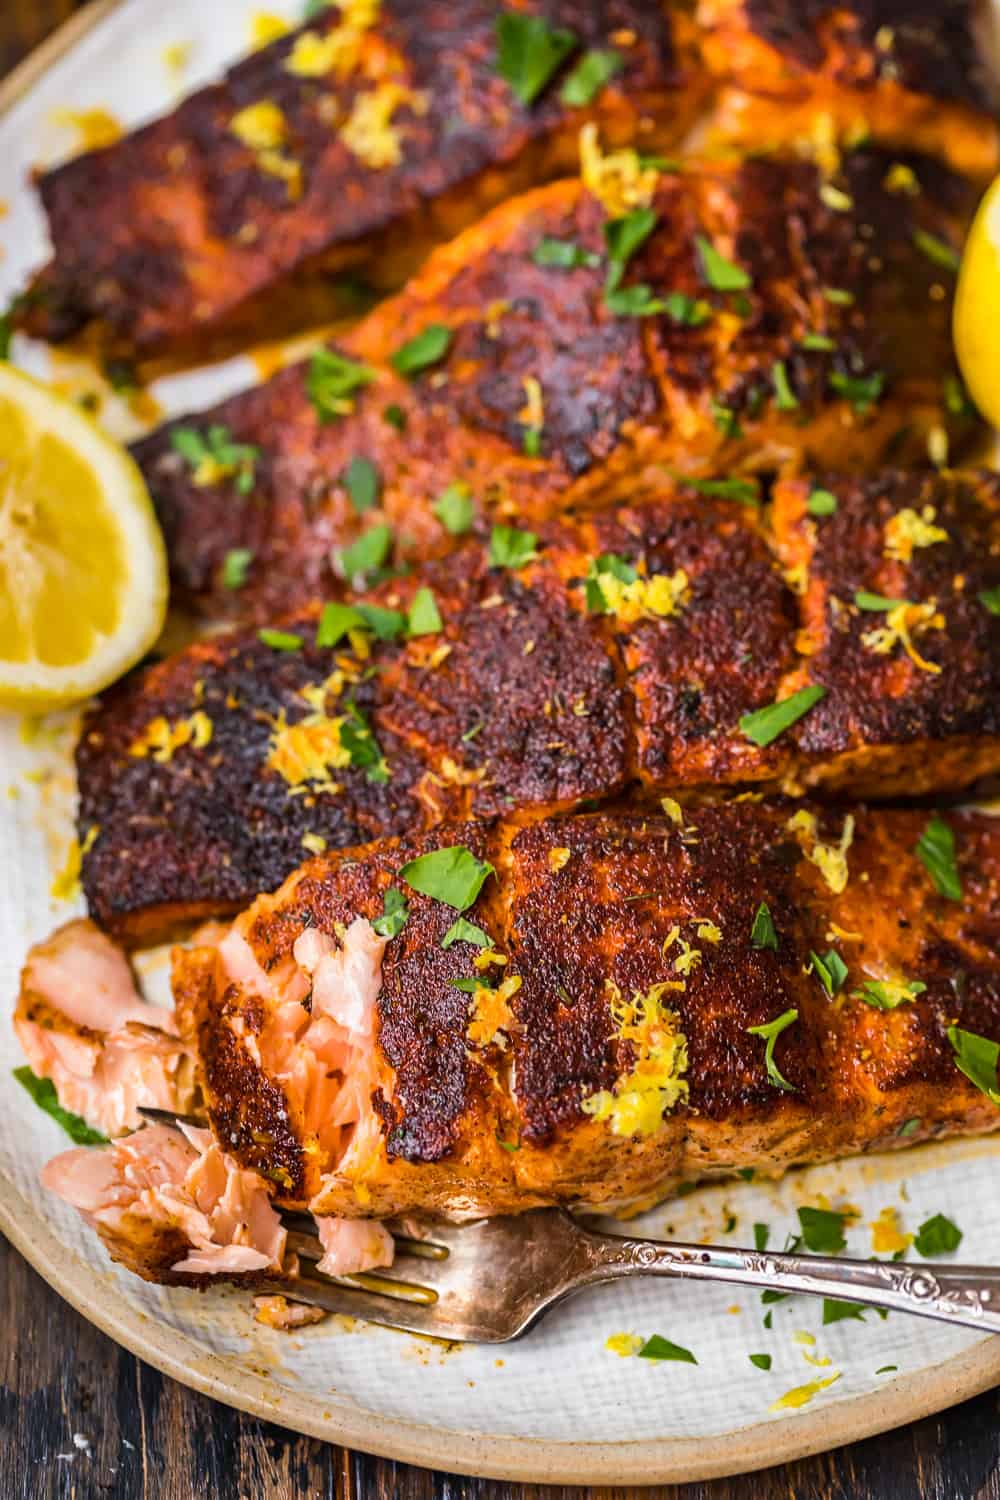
point(977, 308)
point(83, 578)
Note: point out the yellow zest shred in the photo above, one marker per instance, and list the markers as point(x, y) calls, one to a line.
point(654, 1085)
point(661, 596)
point(843, 934)
point(176, 56)
point(558, 859)
point(487, 957)
point(797, 578)
point(453, 774)
point(887, 1234)
point(532, 413)
point(368, 130)
point(619, 180)
point(624, 1344)
point(160, 738)
point(96, 128)
point(261, 126)
point(829, 859)
point(314, 843)
point(801, 1395)
point(66, 884)
point(265, 28)
point(491, 1012)
point(901, 179)
point(688, 958)
point(673, 810)
point(313, 55)
point(308, 750)
point(708, 932)
point(909, 529)
point(901, 625)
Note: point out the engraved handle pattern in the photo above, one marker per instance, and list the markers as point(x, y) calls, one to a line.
point(966, 1295)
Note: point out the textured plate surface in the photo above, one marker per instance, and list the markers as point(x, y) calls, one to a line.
point(517, 1412)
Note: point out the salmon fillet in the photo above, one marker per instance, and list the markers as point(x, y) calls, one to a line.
point(350, 146)
point(205, 778)
point(601, 1048)
point(911, 75)
point(835, 351)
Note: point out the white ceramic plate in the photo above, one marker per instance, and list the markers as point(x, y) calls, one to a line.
point(559, 1406)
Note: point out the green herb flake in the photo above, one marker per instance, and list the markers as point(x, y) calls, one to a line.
point(624, 236)
point(657, 1347)
point(769, 1297)
point(423, 616)
point(235, 567)
point(936, 851)
point(762, 933)
point(746, 1174)
point(909, 1127)
point(721, 274)
point(838, 296)
point(725, 420)
point(886, 1369)
point(361, 745)
point(6, 335)
point(976, 1057)
point(331, 381)
point(785, 397)
point(889, 995)
point(425, 348)
point(280, 640)
point(937, 1236)
point(42, 1090)
point(817, 343)
point(563, 255)
point(634, 302)
point(395, 416)
point(531, 441)
point(689, 312)
point(453, 875)
point(367, 553)
point(862, 391)
point(835, 1311)
point(464, 931)
point(215, 449)
point(822, 1230)
point(395, 914)
point(508, 1145)
point(765, 725)
point(821, 503)
point(338, 619)
point(616, 567)
point(592, 72)
point(761, 1361)
point(769, 1319)
point(876, 603)
point(362, 483)
point(761, 1235)
point(937, 250)
point(529, 51)
point(770, 1033)
point(510, 548)
point(455, 509)
point(830, 970)
point(745, 491)
point(990, 599)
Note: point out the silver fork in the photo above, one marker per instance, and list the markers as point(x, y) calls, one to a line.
point(489, 1281)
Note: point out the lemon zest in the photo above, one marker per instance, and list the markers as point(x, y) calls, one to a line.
point(160, 738)
point(801, 1395)
point(261, 126)
point(888, 1237)
point(654, 1084)
point(314, 843)
point(829, 859)
point(909, 529)
point(558, 859)
point(624, 1344)
point(265, 28)
point(901, 625)
point(308, 750)
point(369, 131)
point(618, 180)
point(491, 1013)
point(660, 596)
point(66, 883)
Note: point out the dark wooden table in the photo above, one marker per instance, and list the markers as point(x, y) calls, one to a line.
point(151, 1438)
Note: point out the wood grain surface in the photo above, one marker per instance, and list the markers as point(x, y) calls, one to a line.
point(81, 1419)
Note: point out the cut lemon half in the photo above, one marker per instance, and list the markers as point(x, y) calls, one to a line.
point(83, 578)
point(977, 308)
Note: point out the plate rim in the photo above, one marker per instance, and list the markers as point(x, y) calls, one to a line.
point(495, 1456)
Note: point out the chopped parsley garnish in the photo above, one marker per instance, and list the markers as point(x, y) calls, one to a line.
point(455, 510)
point(817, 343)
point(909, 1127)
point(937, 250)
point(766, 724)
point(529, 51)
point(937, 1236)
point(531, 441)
point(508, 1145)
point(216, 456)
point(785, 398)
point(453, 875)
point(6, 335)
point(338, 619)
point(42, 1090)
point(863, 391)
point(822, 1230)
point(936, 850)
point(235, 566)
point(886, 1369)
point(362, 483)
point(761, 1235)
point(838, 296)
point(592, 72)
point(762, 933)
point(361, 745)
point(424, 349)
point(721, 274)
point(395, 416)
point(280, 640)
point(657, 1347)
point(366, 554)
point(743, 490)
point(762, 1361)
point(976, 1057)
point(876, 602)
point(835, 1311)
point(564, 255)
point(423, 616)
point(771, 1032)
point(635, 302)
point(464, 931)
point(725, 419)
point(395, 914)
point(331, 381)
point(623, 237)
point(616, 567)
point(690, 312)
point(510, 548)
point(990, 599)
point(830, 970)
point(821, 503)
point(889, 994)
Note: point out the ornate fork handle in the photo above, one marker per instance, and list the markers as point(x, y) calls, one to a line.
point(966, 1295)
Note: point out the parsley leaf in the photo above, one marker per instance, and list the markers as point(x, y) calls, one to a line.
point(990, 599)
point(592, 72)
point(765, 725)
point(635, 302)
point(762, 1361)
point(762, 933)
point(835, 1311)
point(888, 995)
point(617, 567)
point(331, 381)
point(510, 548)
point(771, 1032)
point(657, 1347)
point(395, 416)
point(936, 849)
point(876, 602)
point(337, 619)
point(863, 391)
point(721, 274)
point(6, 335)
point(367, 553)
point(214, 456)
point(785, 398)
point(976, 1057)
point(821, 503)
point(464, 931)
point(42, 1090)
point(361, 745)
point(280, 640)
point(564, 255)
point(362, 483)
point(455, 510)
point(937, 250)
point(624, 236)
point(423, 617)
point(424, 349)
point(395, 914)
point(235, 566)
point(830, 970)
point(453, 875)
point(822, 1230)
point(743, 490)
point(937, 1236)
point(761, 1235)
point(529, 51)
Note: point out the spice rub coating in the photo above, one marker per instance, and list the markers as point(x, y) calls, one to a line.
point(620, 985)
point(351, 145)
point(540, 398)
point(623, 653)
point(905, 74)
